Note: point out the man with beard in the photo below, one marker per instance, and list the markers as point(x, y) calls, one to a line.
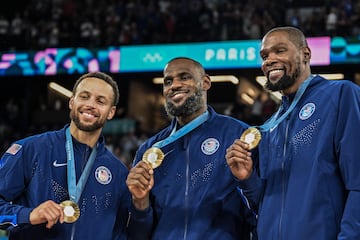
point(308, 169)
point(65, 184)
point(181, 185)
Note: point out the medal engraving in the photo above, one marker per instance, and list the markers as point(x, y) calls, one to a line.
point(153, 156)
point(71, 211)
point(251, 136)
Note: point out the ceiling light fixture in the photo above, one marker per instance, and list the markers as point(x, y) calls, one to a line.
point(248, 99)
point(60, 89)
point(332, 76)
point(214, 78)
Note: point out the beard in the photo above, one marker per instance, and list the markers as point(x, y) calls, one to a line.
point(83, 127)
point(285, 81)
point(190, 106)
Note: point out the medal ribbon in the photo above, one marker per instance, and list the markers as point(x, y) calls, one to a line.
point(74, 189)
point(182, 131)
point(274, 121)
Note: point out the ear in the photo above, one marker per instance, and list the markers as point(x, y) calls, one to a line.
point(71, 102)
point(206, 82)
point(111, 113)
point(307, 55)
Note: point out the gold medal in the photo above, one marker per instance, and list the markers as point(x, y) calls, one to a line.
point(153, 156)
point(71, 211)
point(251, 136)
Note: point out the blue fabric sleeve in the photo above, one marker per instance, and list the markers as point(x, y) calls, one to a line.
point(12, 185)
point(24, 215)
point(140, 223)
point(346, 139)
point(350, 223)
point(251, 191)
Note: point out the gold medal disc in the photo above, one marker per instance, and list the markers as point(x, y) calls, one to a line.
point(251, 136)
point(154, 156)
point(71, 211)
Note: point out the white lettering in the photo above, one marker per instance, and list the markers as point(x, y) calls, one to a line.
point(231, 54)
point(221, 54)
point(209, 54)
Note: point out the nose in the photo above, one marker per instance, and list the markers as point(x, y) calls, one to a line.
point(91, 102)
point(176, 83)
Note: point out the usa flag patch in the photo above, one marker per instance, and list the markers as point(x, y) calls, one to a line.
point(14, 149)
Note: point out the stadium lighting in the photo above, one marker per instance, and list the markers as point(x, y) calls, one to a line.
point(60, 89)
point(215, 78)
point(333, 76)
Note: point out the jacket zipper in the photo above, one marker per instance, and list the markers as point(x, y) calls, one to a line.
point(186, 193)
point(283, 170)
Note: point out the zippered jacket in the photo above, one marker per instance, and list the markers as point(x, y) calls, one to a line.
point(309, 167)
point(34, 170)
point(195, 195)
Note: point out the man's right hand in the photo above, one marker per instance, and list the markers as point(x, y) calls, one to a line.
point(238, 157)
point(140, 181)
point(48, 212)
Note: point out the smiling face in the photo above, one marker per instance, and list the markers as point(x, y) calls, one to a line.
point(92, 104)
point(184, 89)
point(285, 62)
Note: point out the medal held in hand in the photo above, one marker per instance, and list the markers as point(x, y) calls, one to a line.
point(153, 156)
point(251, 136)
point(71, 211)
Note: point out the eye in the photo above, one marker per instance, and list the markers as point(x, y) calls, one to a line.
point(168, 81)
point(83, 96)
point(101, 100)
point(186, 77)
point(281, 50)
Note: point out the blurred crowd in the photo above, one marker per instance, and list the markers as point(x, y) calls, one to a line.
point(39, 24)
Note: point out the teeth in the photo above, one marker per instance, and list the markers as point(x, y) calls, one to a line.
point(88, 114)
point(177, 93)
point(275, 71)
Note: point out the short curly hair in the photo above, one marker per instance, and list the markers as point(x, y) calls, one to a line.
point(102, 76)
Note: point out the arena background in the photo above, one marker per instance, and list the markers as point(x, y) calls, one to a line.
point(87, 32)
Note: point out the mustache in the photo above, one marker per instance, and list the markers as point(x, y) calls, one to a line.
point(192, 104)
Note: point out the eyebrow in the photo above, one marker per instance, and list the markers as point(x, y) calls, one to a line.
point(278, 45)
point(177, 75)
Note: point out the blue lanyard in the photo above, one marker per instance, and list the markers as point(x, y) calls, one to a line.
point(182, 131)
point(74, 189)
point(274, 120)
